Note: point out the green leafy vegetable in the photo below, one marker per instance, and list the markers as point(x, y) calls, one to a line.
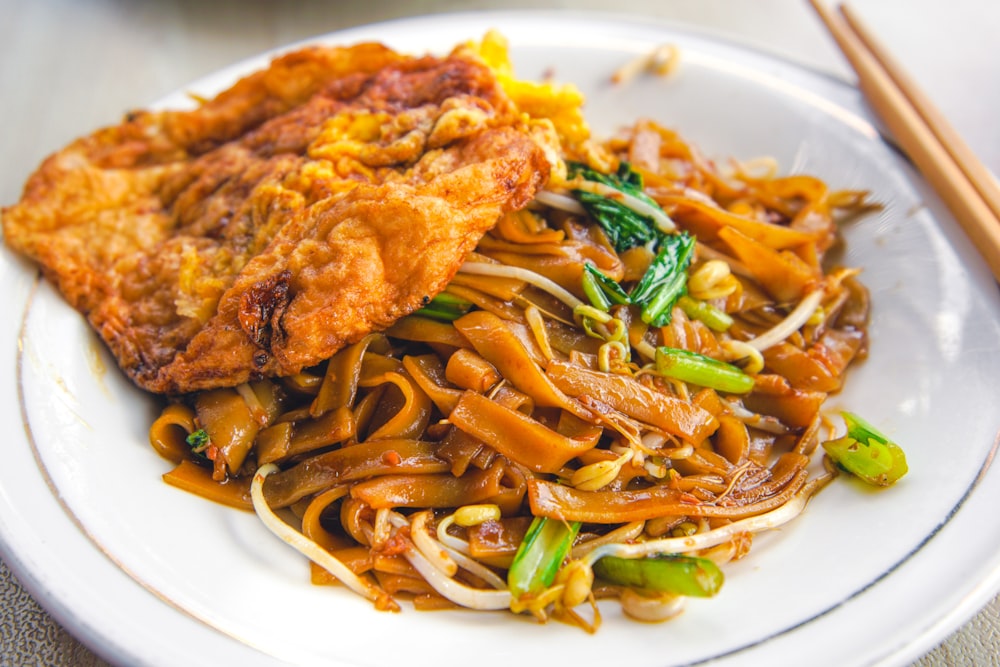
point(665, 280)
point(625, 179)
point(663, 283)
point(540, 555)
point(624, 227)
point(701, 370)
point(867, 453)
point(680, 575)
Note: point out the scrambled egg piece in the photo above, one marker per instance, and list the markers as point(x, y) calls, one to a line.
point(561, 104)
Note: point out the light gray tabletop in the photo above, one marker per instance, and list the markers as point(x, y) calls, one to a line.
point(70, 66)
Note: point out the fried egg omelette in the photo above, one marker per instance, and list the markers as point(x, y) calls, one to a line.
point(311, 203)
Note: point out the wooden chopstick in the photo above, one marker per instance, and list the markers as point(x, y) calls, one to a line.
point(948, 165)
point(977, 173)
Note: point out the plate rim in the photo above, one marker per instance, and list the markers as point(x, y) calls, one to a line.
point(104, 643)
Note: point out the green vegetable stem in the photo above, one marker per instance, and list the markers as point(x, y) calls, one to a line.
point(709, 315)
point(676, 574)
point(446, 307)
point(703, 371)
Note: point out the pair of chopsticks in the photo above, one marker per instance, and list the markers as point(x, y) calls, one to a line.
point(964, 184)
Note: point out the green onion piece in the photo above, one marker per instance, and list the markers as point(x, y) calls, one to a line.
point(706, 313)
point(540, 555)
point(702, 371)
point(679, 575)
point(861, 430)
point(198, 441)
point(866, 453)
point(446, 307)
point(665, 280)
point(601, 290)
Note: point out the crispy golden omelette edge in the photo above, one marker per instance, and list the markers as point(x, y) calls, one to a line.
point(282, 313)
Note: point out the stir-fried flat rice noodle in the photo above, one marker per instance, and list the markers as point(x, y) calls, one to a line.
point(622, 385)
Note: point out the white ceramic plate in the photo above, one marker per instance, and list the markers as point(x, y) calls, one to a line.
point(147, 574)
